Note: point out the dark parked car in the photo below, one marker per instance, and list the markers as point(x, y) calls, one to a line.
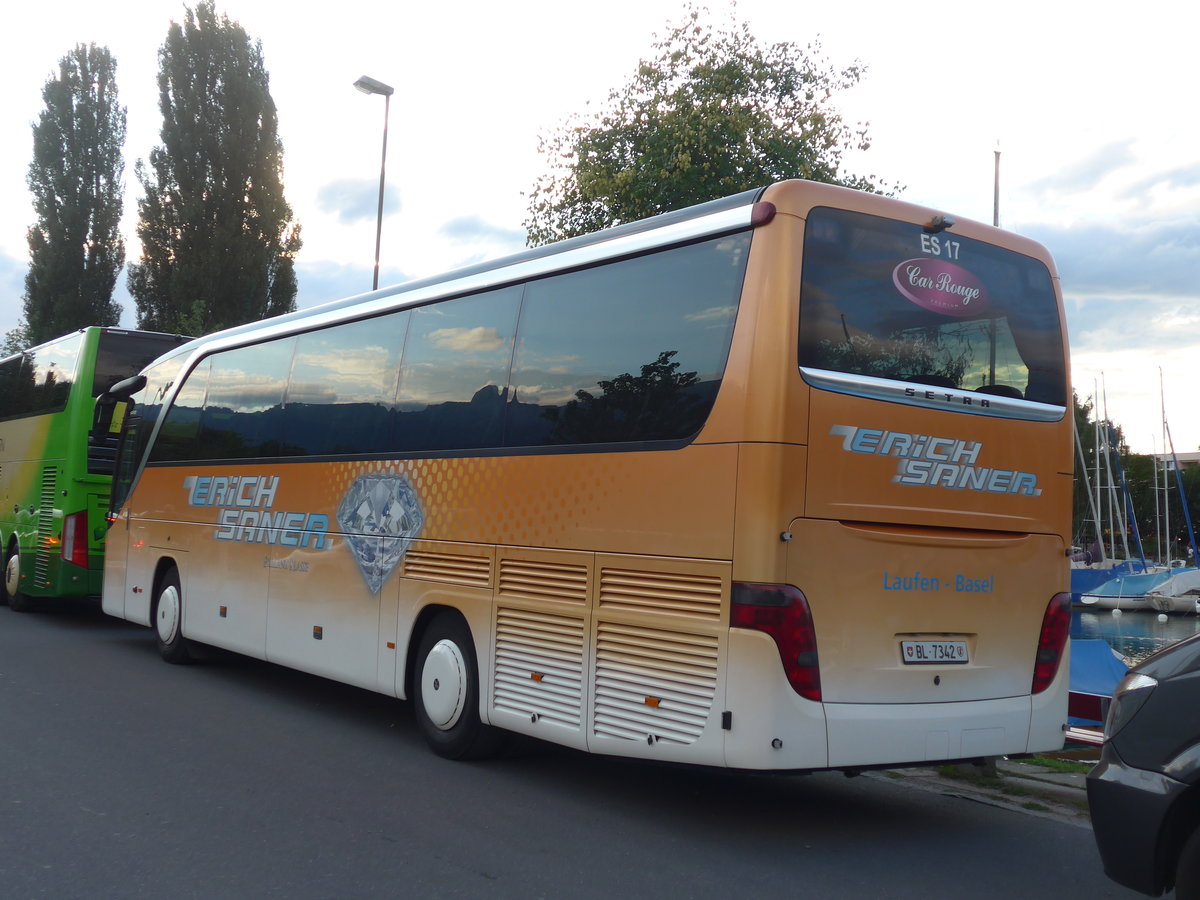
point(1145, 793)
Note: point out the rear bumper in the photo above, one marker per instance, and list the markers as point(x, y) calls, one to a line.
point(775, 728)
point(1129, 807)
point(59, 578)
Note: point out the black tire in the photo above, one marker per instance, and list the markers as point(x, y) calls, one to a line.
point(167, 619)
point(17, 600)
point(1187, 870)
point(446, 692)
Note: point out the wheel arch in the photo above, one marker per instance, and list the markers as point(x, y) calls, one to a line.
point(164, 564)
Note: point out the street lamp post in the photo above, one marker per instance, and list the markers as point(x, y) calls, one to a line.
point(371, 86)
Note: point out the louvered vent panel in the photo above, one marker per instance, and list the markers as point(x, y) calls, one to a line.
point(690, 595)
point(539, 666)
point(450, 568)
point(652, 683)
point(41, 559)
point(535, 580)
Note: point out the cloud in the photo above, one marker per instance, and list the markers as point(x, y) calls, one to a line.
point(479, 340)
point(475, 230)
point(1088, 172)
point(719, 315)
point(1180, 179)
point(324, 281)
point(1153, 258)
point(351, 200)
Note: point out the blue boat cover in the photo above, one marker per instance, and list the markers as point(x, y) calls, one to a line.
point(1095, 669)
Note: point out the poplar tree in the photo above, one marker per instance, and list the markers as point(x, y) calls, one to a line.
point(76, 176)
point(713, 112)
point(218, 240)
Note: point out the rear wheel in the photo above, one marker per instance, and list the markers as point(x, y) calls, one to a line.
point(17, 601)
point(447, 692)
point(1187, 871)
point(168, 619)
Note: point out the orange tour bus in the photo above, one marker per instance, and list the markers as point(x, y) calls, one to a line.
point(780, 481)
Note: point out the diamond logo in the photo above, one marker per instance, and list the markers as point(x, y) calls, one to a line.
point(380, 515)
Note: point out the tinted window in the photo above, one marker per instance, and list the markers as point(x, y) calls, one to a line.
point(147, 405)
point(631, 351)
point(39, 380)
point(452, 384)
point(124, 354)
point(16, 386)
point(882, 298)
point(243, 412)
point(177, 437)
point(626, 352)
point(343, 388)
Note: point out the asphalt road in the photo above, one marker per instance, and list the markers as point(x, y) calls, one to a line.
point(124, 777)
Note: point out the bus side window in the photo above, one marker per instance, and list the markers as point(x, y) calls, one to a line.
point(342, 390)
point(177, 436)
point(455, 372)
point(631, 351)
point(244, 403)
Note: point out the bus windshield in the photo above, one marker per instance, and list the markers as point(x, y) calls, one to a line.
point(887, 299)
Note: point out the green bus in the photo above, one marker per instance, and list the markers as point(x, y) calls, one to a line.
point(55, 467)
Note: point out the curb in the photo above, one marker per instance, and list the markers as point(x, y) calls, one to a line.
point(1011, 784)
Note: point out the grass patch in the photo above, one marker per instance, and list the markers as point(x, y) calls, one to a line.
point(1035, 807)
point(1060, 765)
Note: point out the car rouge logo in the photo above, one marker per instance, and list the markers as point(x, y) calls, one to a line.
point(940, 287)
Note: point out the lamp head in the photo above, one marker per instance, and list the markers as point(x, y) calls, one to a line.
point(370, 86)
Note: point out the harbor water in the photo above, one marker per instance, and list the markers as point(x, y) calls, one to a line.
point(1134, 635)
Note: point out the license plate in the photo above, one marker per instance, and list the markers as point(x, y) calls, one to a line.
point(934, 653)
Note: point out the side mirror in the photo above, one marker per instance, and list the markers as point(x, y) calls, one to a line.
point(116, 398)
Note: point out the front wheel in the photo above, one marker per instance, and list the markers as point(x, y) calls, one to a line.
point(1187, 871)
point(168, 620)
point(447, 692)
point(17, 601)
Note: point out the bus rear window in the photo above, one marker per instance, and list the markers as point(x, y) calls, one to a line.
point(885, 299)
point(123, 354)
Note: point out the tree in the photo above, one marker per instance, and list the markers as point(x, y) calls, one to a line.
point(711, 114)
point(16, 340)
point(218, 241)
point(76, 175)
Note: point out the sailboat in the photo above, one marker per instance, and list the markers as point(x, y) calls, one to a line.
point(1095, 567)
point(1175, 587)
point(1178, 594)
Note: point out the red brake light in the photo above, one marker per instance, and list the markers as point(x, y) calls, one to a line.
point(75, 542)
point(1056, 627)
point(781, 611)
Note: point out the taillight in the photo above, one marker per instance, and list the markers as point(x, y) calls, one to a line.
point(781, 611)
point(1056, 627)
point(75, 542)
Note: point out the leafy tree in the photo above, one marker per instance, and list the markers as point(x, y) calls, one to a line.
point(76, 250)
point(218, 241)
point(16, 340)
point(712, 113)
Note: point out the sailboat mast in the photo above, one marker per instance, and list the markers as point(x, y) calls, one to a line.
point(1116, 513)
point(1187, 516)
point(1162, 405)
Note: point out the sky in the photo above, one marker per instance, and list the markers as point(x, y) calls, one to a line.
point(1092, 107)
